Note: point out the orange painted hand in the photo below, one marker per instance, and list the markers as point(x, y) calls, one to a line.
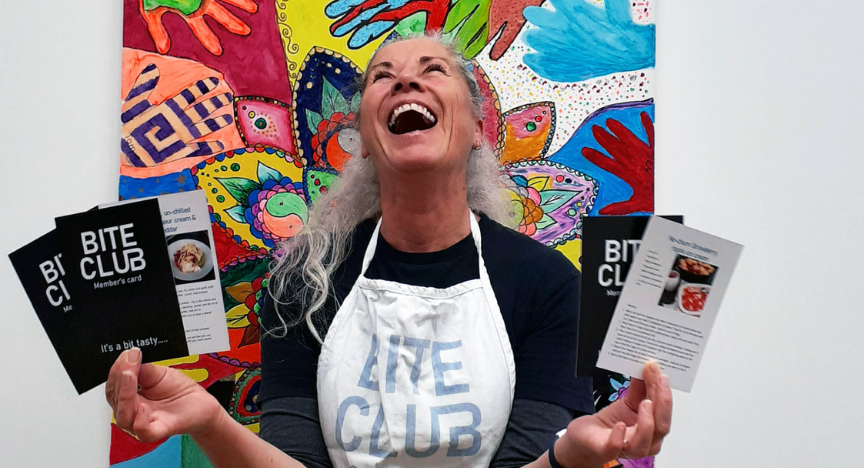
point(168, 131)
point(193, 12)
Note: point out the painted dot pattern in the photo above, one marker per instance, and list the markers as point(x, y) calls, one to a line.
point(517, 85)
point(642, 11)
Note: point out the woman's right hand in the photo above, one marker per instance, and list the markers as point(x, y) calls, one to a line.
point(167, 402)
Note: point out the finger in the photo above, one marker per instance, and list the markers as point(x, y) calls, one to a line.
point(635, 394)
point(354, 19)
point(204, 108)
point(434, 17)
point(224, 17)
point(247, 5)
point(599, 159)
point(651, 377)
point(205, 35)
point(211, 125)
point(608, 141)
point(628, 139)
point(662, 409)
point(112, 384)
point(205, 148)
point(136, 99)
point(340, 7)
point(649, 128)
point(195, 91)
point(145, 83)
point(186, 98)
point(146, 428)
point(615, 444)
point(126, 361)
point(639, 441)
point(127, 401)
point(367, 33)
point(655, 448)
point(156, 29)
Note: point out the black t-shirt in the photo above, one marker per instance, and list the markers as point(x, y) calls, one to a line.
point(536, 287)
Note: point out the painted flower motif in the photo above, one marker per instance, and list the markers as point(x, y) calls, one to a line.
point(531, 202)
point(276, 212)
point(332, 136)
point(525, 205)
point(619, 388)
point(251, 296)
point(274, 207)
point(335, 141)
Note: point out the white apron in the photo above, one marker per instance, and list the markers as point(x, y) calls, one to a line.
point(416, 376)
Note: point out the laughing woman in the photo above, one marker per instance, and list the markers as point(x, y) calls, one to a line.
point(409, 328)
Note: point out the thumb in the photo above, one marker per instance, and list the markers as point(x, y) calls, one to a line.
point(150, 375)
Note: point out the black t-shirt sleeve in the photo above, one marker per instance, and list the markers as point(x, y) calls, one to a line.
point(530, 431)
point(546, 361)
point(289, 362)
point(291, 425)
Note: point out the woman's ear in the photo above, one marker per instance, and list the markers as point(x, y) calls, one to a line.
point(479, 136)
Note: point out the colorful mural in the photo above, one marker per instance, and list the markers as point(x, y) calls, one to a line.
point(253, 102)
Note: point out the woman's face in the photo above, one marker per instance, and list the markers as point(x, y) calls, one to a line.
point(416, 111)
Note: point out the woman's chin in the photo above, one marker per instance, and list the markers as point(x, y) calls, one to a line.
point(418, 160)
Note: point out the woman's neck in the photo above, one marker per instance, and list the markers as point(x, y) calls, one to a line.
point(423, 215)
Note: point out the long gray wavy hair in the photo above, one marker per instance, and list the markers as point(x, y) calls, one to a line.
point(314, 254)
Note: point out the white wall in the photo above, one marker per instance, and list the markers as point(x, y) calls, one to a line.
point(759, 139)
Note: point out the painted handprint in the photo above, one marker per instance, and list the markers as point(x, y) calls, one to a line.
point(506, 16)
point(157, 134)
point(370, 19)
point(629, 158)
point(470, 22)
point(193, 13)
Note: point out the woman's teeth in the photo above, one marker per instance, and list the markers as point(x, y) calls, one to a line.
point(427, 116)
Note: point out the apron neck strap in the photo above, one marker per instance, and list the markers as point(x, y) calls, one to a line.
point(370, 249)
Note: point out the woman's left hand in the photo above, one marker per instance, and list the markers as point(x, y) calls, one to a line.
point(632, 427)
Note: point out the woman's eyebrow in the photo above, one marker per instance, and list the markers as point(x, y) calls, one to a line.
point(426, 59)
point(381, 64)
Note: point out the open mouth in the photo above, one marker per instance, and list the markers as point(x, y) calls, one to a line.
point(411, 118)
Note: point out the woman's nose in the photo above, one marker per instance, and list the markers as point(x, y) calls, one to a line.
point(406, 82)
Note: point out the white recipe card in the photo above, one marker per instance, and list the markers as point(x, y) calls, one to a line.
point(669, 302)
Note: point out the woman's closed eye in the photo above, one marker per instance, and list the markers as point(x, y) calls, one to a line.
point(435, 67)
point(381, 74)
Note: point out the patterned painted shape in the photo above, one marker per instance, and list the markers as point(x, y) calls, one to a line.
point(493, 122)
point(131, 187)
point(263, 121)
point(325, 104)
point(317, 181)
point(528, 131)
point(244, 403)
point(548, 200)
point(245, 188)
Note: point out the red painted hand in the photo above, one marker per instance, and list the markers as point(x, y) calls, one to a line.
point(357, 13)
point(506, 16)
point(631, 159)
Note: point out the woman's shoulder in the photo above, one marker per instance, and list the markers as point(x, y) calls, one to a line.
point(505, 247)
